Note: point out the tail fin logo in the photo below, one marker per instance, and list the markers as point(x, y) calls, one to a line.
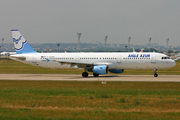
point(17, 40)
point(19, 43)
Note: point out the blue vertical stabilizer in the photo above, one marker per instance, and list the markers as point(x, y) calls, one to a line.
point(20, 43)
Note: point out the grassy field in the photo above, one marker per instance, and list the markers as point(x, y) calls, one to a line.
point(13, 67)
point(89, 100)
point(69, 100)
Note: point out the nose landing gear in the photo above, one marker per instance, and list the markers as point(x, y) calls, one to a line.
point(155, 73)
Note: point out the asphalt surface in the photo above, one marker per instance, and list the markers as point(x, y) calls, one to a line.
point(72, 77)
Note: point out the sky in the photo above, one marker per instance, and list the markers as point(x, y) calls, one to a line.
point(59, 21)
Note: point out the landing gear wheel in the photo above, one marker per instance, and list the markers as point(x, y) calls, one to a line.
point(95, 75)
point(85, 74)
point(155, 75)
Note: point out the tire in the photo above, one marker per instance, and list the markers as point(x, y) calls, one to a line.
point(85, 74)
point(155, 75)
point(95, 75)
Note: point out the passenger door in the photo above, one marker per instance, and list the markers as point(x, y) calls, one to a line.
point(77, 58)
point(119, 59)
point(153, 58)
point(34, 59)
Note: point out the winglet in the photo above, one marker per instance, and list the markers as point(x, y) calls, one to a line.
point(20, 43)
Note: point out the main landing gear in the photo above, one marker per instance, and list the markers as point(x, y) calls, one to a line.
point(95, 75)
point(155, 73)
point(85, 74)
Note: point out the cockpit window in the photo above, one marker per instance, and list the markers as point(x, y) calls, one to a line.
point(165, 58)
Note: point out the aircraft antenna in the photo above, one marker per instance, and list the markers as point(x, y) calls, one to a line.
point(105, 39)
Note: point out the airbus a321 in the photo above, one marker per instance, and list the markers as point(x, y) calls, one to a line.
point(98, 63)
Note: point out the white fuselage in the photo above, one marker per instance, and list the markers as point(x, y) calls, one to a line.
point(126, 60)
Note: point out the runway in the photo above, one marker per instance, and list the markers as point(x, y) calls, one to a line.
point(72, 77)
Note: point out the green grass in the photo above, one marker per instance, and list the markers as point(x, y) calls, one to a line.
point(13, 67)
point(89, 100)
point(72, 100)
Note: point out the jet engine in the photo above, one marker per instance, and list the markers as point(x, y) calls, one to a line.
point(116, 70)
point(100, 69)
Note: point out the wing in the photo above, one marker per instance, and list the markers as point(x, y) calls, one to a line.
point(80, 64)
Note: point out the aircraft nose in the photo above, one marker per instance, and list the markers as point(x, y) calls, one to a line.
point(173, 63)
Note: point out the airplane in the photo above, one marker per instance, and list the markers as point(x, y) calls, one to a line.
point(100, 63)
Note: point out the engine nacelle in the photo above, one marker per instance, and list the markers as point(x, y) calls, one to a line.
point(116, 70)
point(101, 69)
